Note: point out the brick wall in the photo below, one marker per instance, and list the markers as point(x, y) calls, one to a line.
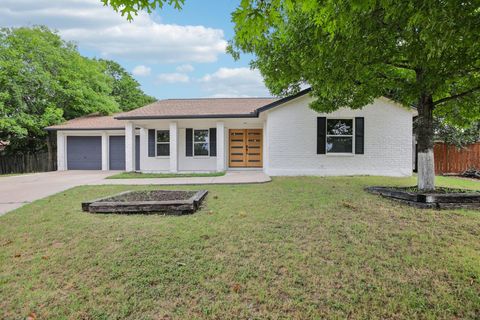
point(291, 135)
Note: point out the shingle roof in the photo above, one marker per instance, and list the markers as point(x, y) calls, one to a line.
point(90, 123)
point(178, 109)
point(198, 108)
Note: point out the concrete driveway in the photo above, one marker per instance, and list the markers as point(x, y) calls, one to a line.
point(16, 191)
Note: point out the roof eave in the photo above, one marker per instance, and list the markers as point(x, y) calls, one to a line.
point(82, 129)
point(204, 116)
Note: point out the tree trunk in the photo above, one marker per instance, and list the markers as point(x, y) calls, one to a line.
point(425, 135)
point(51, 142)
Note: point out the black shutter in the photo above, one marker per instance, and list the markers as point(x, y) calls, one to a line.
point(321, 134)
point(213, 142)
point(359, 135)
point(151, 142)
point(189, 142)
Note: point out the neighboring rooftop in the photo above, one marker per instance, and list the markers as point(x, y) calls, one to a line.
point(193, 108)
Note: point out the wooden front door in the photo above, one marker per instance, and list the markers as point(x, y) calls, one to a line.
point(245, 148)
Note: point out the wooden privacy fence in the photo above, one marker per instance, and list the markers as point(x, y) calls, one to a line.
point(450, 159)
point(24, 163)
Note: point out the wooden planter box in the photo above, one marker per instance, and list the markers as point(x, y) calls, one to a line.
point(430, 200)
point(111, 204)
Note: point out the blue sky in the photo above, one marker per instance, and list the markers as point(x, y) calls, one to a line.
point(173, 54)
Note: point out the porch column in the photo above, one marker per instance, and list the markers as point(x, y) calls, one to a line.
point(173, 147)
point(105, 153)
point(129, 147)
point(61, 150)
point(220, 146)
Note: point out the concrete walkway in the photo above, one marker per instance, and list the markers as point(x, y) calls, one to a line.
point(231, 177)
point(15, 191)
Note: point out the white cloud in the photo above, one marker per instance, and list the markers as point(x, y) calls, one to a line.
point(234, 82)
point(96, 27)
point(141, 71)
point(173, 78)
point(185, 68)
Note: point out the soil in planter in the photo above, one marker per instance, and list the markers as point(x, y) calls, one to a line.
point(155, 195)
point(438, 190)
point(441, 198)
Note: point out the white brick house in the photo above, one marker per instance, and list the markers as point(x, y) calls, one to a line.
point(280, 137)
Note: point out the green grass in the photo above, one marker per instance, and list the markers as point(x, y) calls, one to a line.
point(138, 175)
point(457, 182)
point(295, 248)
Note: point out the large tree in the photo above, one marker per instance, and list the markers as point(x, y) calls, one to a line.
point(125, 89)
point(422, 53)
point(44, 81)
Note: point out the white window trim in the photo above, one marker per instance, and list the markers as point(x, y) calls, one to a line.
point(157, 143)
point(340, 154)
point(208, 143)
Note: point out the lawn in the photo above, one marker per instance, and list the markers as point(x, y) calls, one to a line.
point(295, 248)
point(139, 175)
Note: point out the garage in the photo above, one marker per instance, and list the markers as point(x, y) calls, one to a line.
point(84, 153)
point(117, 153)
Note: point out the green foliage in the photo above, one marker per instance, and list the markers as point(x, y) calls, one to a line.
point(351, 52)
point(44, 81)
point(131, 7)
point(139, 175)
point(418, 52)
point(455, 135)
point(125, 89)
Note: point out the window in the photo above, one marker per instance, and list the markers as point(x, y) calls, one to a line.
point(339, 135)
point(200, 142)
point(163, 143)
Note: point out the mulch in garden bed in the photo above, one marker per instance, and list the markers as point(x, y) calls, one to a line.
point(440, 198)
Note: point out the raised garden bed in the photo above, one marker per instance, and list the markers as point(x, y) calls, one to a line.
point(167, 202)
point(441, 198)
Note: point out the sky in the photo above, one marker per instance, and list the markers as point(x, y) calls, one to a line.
point(173, 54)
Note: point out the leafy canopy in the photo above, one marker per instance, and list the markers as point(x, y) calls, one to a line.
point(125, 89)
point(352, 51)
point(455, 135)
point(131, 7)
point(44, 81)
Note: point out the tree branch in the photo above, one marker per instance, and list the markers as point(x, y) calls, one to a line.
point(456, 96)
point(400, 65)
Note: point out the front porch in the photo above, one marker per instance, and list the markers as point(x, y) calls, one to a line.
point(196, 145)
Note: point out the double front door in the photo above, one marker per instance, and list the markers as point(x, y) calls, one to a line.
point(245, 148)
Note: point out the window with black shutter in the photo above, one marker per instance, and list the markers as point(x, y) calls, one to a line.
point(359, 135)
point(321, 134)
point(189, 142)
